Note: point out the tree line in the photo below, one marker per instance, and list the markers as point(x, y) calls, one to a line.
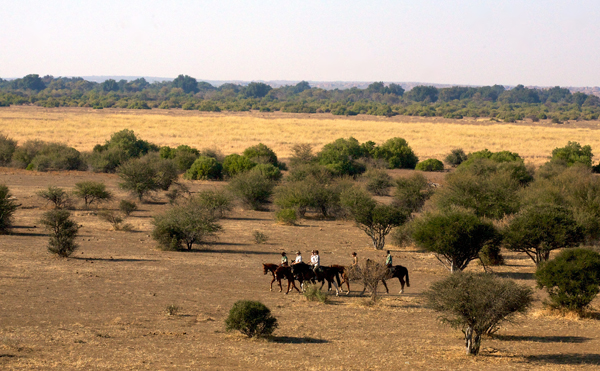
point(185, 92)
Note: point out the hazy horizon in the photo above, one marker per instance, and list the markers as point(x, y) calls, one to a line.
point(534, 43)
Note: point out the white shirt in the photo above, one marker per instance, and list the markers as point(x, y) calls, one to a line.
point(298, 259)
point(315, 260)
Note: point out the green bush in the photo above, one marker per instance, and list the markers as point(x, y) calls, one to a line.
point(205, 168)
point(456, 236)
point(45, 156)
point(216, 202)
point(107, 161)
point(314, 293)
point(308, 194)
point(286, 216)
point(303, 171)
point(57, 196)
point(477, 303)
point(378, 182)
point(397, 153)
point(261, 154)
point(24, 154)
point(412, 192)
point(268, 171)
point(235, 164)
point(7, 208)
point(138, 177)
point(183, 156)
point(62, 231)
point(456, 157)
point(572, 278)
point(491, 255)
point(252, 188)
point(90, 192)
point(251, 318)
point(430, 165)
point(573, 153)
point(340, 157)
point(302, 154)
point(127, 207)
point(111, 217)
point(7, 148)
point(121, 146)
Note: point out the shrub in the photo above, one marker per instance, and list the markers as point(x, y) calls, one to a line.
point(308, 194)
point(107, 161)
point(127, 207)
point(90, 192)
point(62, 230)
point(138, 177)
point(216, 202)
point(477, 304)
point(7, 208)
point(125, 141)
point(286, 216)
point(252, 188)
point(44, 156)
point(539, 229)
point(259, 237)
point(378, 182)
point(313, 293)
point(430, 165)
point(302, 154)
point(268, 171)
point(187, 224)
point(56, 196)
point(455, 236)
point(204, 168)
point(376, 220)
point(183, 156)
point(7, 148)
point(491, 255)
point(412, 192)
point(573, 153)
point(261, 154)
point(172, 309)
point(251, 318)
point(572, 278)
point(316, 171)
point(340, 157)
point(24, 154)
point(456, 157)
point(235, 164)
point(111, 217)
point(370, 273)
point(397, 153)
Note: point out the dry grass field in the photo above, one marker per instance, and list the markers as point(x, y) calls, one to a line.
point(105, 307)
point(83, 128)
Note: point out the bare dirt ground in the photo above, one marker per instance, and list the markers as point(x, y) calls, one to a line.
point(104, 308)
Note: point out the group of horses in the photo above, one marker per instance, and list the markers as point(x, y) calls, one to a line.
point(303, 272)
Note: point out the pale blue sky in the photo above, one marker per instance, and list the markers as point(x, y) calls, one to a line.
point(535, 42)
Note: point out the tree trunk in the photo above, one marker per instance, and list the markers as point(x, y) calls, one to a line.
point(472, 341)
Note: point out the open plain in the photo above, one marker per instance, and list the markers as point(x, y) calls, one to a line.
point(104, 308)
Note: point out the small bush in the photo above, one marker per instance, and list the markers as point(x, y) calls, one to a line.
point(397, 153)
point(216, 202)
point(286, 216)
point(111, 217)
point(90, 192)
point(340, 156)
point(456, 157)
point(491, 255)
point(57, 196)
point(7, 148)
point(302, 154)
point(430, 165)
point(378, 182)
point(7, 208)
point(253, 189)
point(235, 164)
point(180, 191)
point(138, 177)
point(62, 230)
point(412, 192)
point(172, 309)
point(572, 279)
point(251, 318)
point(204, 168)
point(44, 156)
point(370, 274)
point(261, 154)
point(314, 293)
point(268, 171)
point(259, 237)
point(127, 207)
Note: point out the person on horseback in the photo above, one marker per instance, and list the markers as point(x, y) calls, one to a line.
point(388, 259)
point(354, 259)
point(298, 258)
point(284, 260)
point(315, 260)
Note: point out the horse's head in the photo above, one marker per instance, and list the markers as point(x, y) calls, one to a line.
point(266, 270)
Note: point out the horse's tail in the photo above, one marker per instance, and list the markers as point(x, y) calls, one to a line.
point(407, 280)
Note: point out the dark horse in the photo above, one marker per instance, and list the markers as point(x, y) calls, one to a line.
point(397, 271)
point(285, 272)
point(268, 267)
point(342, 271)
point(304, 272)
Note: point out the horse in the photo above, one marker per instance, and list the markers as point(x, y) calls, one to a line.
point(285, 272)
point(397, 271)
point(342, 272)
point(303, 271)
point(268, 267)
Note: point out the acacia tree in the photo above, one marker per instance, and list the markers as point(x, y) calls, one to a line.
point(375, 219)
point(539, 229)
point(91, 192)
point(477, 303)
point(455, 236)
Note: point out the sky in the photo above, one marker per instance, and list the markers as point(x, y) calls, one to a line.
point(468, 42)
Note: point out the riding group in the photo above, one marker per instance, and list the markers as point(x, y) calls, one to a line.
point(302, 272)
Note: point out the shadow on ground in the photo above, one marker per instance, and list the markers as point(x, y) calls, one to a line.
point(544, 339)
point(297, 340)
point(566, 359)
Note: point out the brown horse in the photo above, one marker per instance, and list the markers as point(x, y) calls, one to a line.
point(285, 272)
point(268, 267)
point(342, 272)
point(304, 272)
point(397, 271)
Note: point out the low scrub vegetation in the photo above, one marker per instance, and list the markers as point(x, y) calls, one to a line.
point(62, 230)
point(251, 318)
point(7, 209)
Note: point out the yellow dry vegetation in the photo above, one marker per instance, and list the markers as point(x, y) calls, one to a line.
point(82, 128)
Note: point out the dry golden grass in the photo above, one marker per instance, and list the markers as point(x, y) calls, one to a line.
point(233, 132)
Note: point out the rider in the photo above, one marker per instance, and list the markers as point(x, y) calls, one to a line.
point(298, 258)
point(315, 260)
point(388, 259)
point(354, 259)
point(284, 260)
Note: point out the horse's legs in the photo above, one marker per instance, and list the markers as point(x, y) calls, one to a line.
point(401, 284)
point(279, 281)
point(337, 292)
point(385, 285)
point(272, 283)
point(294, 285)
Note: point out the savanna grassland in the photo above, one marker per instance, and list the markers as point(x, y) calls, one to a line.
point(105, 307)
point(430, 137)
